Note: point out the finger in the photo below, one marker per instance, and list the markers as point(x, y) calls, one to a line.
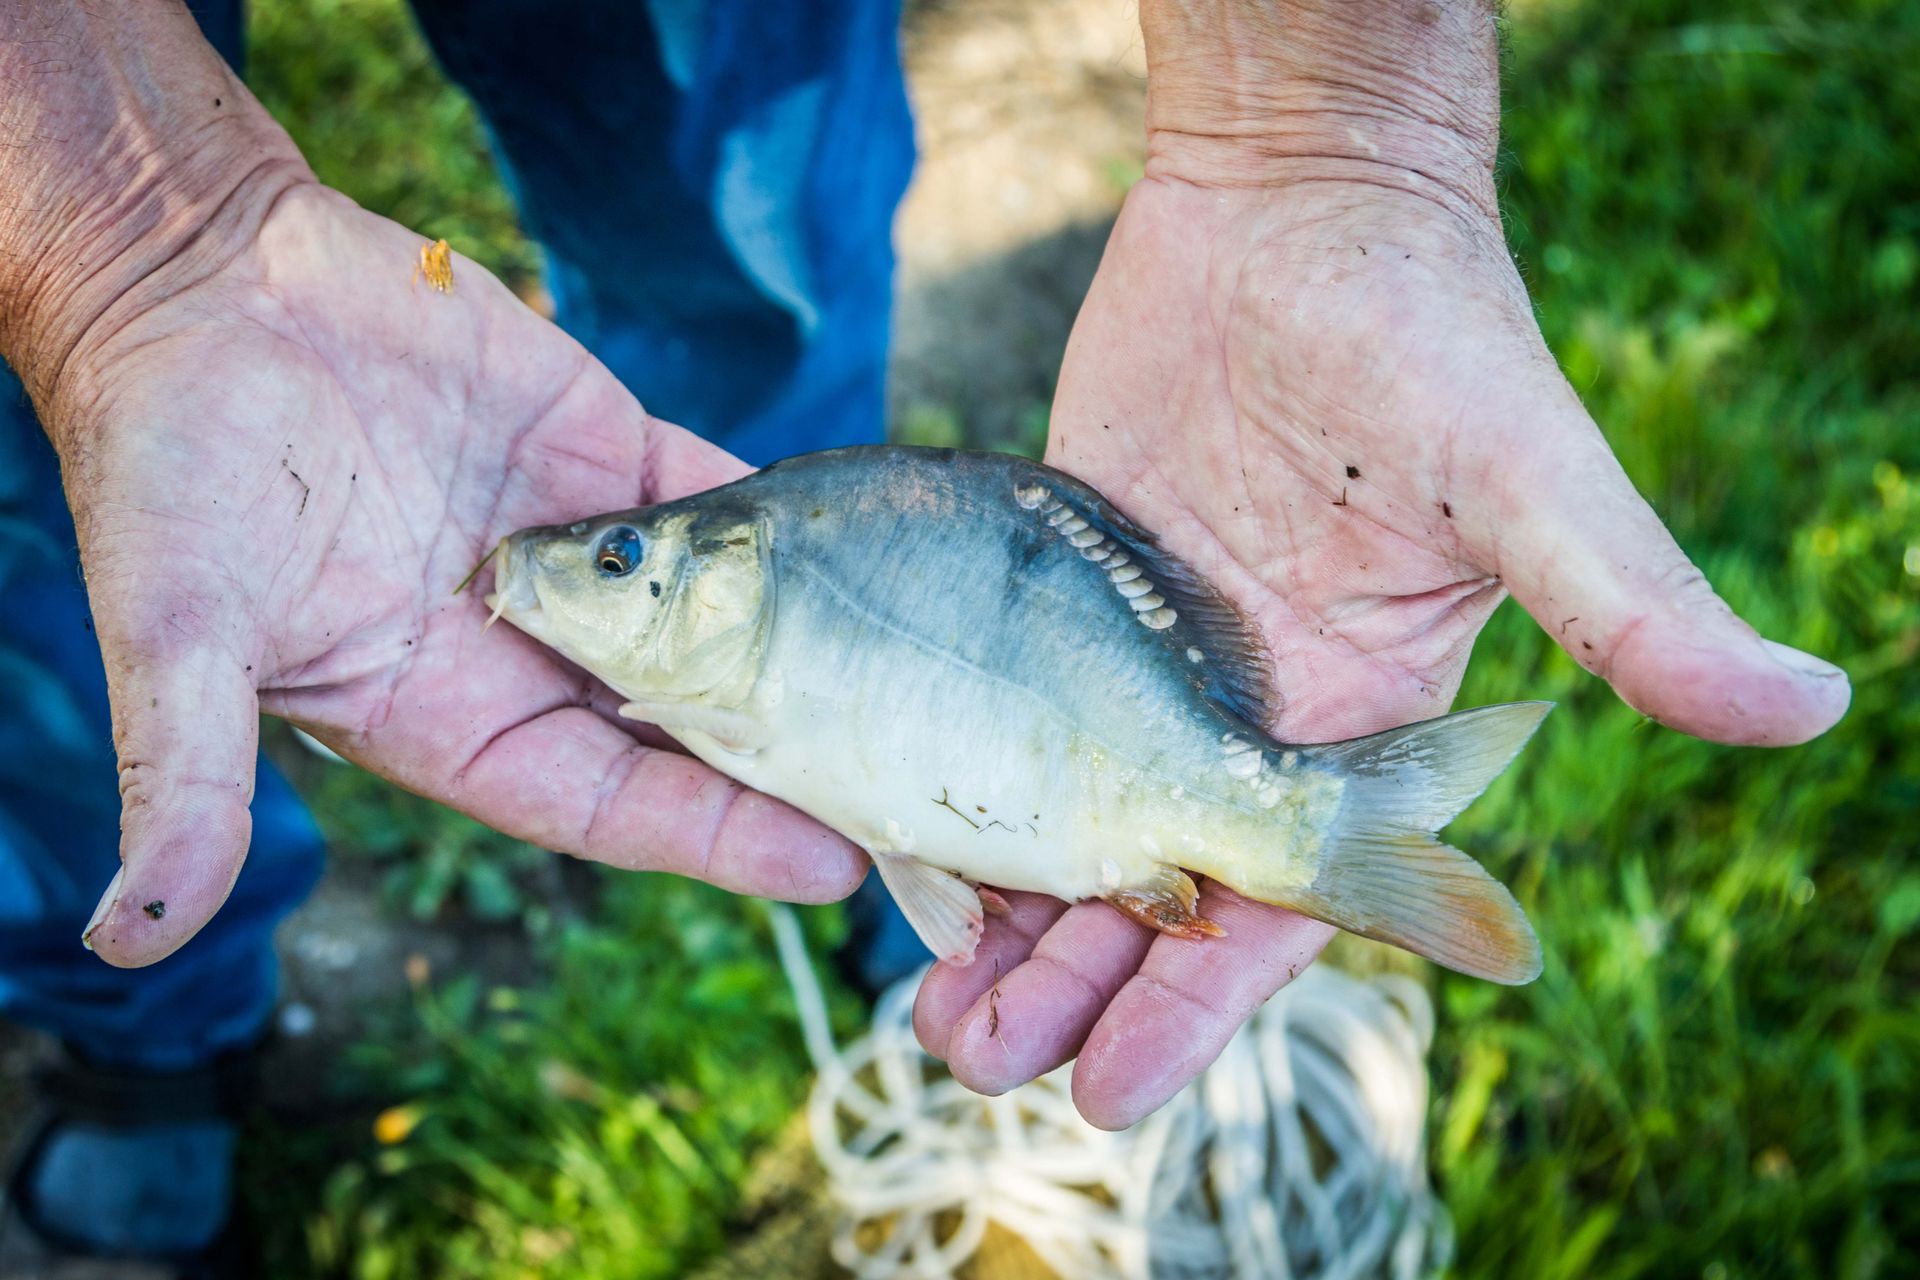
point(1589, 559)
point(679, 463)
point(567, 779)
point(949, 990)
point(595, 449)
point(186, 729)
point(1043, 1009)
point(1172, 1019)
point(1027, 1005)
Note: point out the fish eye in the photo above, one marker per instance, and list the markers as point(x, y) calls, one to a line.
point(617, 553)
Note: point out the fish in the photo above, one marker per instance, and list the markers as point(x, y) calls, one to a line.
point(982, 673)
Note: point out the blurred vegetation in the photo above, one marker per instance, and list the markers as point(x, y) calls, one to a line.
point(357, 87)
point(431, 859)
point(598, 1123)
point(1718, 207)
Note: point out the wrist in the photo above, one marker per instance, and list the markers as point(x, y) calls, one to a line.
point(1250, 93)
point(136, 167)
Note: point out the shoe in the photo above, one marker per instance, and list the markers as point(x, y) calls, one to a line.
point(881, 948)
point(125, 1174)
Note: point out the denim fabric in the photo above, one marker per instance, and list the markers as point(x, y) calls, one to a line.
point(714, 183)
point(60, 814)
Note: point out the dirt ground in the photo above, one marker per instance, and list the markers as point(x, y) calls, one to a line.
point(1029, 120)
point(1028, 116)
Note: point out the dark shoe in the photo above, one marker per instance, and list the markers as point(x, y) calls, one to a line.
point(124, 1173)
point(881, 947)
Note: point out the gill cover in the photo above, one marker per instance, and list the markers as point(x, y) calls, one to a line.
point(716, 606)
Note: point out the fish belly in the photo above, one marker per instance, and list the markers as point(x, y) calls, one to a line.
point(1226, 808)
point(1017, 799)
point(974, 777)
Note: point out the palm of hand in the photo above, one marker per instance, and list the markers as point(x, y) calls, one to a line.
point(359, 440)
point(1333, 401)
point(1320, 355)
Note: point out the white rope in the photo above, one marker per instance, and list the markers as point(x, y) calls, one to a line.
point(1300, 1153)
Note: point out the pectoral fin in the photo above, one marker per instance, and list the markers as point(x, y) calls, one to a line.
point(993, 902)
point(736, 732)
point(1170, 903)
point(942, 908)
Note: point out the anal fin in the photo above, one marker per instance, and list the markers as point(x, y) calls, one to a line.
point(1169, 903)
point(942, 908)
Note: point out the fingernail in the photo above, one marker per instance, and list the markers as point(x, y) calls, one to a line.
point(1802, 664)
point(101, 912)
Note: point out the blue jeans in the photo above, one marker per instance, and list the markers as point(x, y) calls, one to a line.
point(714, 182)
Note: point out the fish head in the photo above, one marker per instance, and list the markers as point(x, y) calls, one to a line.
point(661, 603)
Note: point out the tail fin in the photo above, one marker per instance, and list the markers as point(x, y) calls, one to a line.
point(1387, 878)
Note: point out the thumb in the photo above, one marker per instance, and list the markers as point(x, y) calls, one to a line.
point(1588, 558)
point(185, 727)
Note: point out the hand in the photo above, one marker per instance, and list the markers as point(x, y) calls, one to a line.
point(1327, 392)
point(279, 468)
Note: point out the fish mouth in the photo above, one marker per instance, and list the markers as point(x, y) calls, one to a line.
point(513, 595)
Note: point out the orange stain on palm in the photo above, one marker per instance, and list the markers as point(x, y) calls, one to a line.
point(436, 266)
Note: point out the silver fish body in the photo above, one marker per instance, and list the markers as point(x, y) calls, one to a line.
point(982, 673)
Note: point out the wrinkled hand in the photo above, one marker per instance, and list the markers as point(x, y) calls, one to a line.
point(1331, 397)
point(279, 472)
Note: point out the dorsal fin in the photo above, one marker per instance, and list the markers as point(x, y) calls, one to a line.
point(1166, 594)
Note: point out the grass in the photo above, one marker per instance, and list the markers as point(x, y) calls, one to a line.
point(601, 1123)
point(1720, 214)
point(1718, 207)
point(357, 87)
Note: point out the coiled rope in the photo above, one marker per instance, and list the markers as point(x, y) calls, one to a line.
point(1300, 1153)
